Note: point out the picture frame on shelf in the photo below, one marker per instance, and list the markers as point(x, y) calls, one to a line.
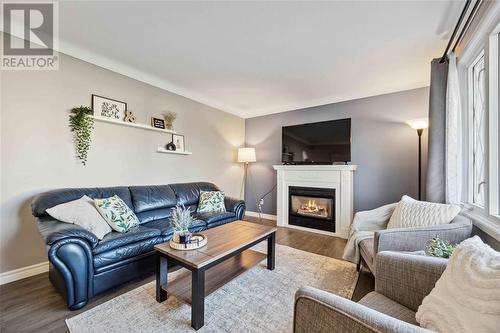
point(108, 108)
point(158, 123)
point(179, 142)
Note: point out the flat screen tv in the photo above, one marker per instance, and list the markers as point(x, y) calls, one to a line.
point(325, 142)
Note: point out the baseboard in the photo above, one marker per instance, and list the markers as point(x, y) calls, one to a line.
point(24, 272)
point(265, 216)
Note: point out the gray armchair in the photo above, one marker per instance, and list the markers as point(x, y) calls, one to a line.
point(412, 239)
point(401, 283)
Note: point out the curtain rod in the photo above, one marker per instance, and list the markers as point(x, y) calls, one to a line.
point(467, 24)
point(462, 15)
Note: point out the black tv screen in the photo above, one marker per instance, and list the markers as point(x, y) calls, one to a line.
point(325, 142)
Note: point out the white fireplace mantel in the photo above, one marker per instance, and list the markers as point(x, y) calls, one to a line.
point(338, 177)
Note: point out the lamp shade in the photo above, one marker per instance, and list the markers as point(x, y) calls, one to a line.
point(246, 155)
point(419, 123)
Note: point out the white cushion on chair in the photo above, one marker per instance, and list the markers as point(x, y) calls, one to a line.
point(411, 213)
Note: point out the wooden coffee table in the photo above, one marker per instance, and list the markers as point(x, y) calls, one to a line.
point(224, 242)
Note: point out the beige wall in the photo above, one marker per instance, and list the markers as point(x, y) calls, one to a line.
point(37, 151)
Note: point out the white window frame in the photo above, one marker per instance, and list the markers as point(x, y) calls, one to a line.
point(487, 218)
point(493, 115)
point(470, 135)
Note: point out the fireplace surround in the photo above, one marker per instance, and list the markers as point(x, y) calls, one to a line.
point(338, 179)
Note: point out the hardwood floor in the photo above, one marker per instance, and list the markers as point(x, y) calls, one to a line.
point(33, 305)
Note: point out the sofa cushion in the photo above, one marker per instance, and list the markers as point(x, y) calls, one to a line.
point(146, 198)
point(167, 230)
point(211, 201)
point(126, 251)
point(389, 307)
point(115, 239)
point(213, 217)
point(83, 213)
point(116, 212)
point(189, 193)
point(55, 197)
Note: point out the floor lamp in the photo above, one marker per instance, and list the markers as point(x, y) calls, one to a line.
point(245, 155)
point(419, 124)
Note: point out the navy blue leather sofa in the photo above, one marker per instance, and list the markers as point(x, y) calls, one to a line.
point(81, 266)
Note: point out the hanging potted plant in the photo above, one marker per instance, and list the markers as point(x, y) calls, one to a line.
point(181, 220)
point(81, 124)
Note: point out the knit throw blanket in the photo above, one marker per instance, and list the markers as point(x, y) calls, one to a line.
point(364, 226)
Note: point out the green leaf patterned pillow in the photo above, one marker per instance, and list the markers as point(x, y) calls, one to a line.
point(116, 213)
point(211, 201)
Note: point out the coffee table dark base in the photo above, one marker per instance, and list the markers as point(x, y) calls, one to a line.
point(198, 277)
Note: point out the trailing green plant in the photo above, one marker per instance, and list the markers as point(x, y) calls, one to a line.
point(181, 219)
point(437, 247)
point(81, 124)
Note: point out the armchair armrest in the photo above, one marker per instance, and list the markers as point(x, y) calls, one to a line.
point(323, 312)
point(415, 239)
point(53, 230)
point(407, 278)
point(235, 205)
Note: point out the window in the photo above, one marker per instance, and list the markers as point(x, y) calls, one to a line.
point(478, 132)
point(480, 72)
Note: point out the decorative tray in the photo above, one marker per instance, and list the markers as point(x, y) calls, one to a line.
point(195, 242)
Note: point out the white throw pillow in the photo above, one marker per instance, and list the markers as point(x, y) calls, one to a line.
point(411, 213)
point(467, 296)
point(81, 212)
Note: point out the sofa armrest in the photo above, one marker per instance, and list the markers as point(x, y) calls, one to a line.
point(236, 206)
point(53, 230)
point(415, 239)
point(323, 312)
point(407, 278)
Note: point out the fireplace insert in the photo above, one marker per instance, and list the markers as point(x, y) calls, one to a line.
point(312, 207)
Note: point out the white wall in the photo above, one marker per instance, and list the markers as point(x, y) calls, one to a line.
point(37, 149)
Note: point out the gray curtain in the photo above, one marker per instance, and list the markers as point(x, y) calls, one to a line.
point(435, 189)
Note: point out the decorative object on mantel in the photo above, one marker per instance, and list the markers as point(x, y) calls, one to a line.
point(157, 123)
point(178, 141)
point(81, 124)
point(169, 119)
point(170, 146)
point(181, 220)
point(108, 108)
point(419, 124)
point(195, 242)
point(130, 117)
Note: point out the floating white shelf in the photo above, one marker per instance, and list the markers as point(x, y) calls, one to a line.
point(123, 123)
point(163, 150)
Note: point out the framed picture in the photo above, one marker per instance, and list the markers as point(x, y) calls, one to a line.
point(108, 108)
point(157, 123)
point(178, 141)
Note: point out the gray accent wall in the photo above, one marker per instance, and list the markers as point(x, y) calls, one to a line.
point(37, 151)
point(383, 146)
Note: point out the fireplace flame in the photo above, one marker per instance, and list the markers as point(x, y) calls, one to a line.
point(312, 207)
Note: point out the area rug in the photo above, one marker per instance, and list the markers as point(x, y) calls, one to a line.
point(258, 300)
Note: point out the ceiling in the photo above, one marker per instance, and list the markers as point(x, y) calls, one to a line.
point(257, 58)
